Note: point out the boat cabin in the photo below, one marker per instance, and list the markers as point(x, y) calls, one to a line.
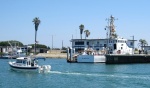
point(116, 45)
point(26, 61)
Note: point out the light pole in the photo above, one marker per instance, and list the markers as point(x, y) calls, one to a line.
point(62, 44)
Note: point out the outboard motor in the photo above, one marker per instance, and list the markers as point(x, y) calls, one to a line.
point(44, 69)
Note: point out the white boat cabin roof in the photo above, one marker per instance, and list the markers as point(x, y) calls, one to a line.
point(21, 58)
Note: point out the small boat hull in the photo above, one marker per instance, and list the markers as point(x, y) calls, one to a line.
point(17, 67)
point(4, 57)
point(91, 58)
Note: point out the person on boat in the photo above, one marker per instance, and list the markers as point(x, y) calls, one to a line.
point(140, 51)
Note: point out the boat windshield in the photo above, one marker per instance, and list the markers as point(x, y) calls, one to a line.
point(21, 61)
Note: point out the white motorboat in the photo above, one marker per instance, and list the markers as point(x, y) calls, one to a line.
point(28, 64)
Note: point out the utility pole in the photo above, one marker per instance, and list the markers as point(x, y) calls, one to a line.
point(62, 44)
point(52, 42)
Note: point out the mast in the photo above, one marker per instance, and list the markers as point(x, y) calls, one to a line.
point(110, 31)
point(111, 27)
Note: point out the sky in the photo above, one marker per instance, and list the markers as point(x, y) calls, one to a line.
point(61, 19)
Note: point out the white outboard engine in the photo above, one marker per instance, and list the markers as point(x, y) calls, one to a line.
point(44, 69)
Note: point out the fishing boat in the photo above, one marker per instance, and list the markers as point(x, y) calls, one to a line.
point(28, 64)
point(8, 56)
point(5, 56)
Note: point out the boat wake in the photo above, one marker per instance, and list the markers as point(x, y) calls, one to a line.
point(105, 75)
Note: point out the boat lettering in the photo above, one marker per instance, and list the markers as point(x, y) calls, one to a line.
point(85, 58)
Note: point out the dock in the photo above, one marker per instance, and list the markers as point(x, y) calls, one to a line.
point(126, 59)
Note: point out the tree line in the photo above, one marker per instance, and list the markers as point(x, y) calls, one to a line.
point(12, 42)
point(20, 44)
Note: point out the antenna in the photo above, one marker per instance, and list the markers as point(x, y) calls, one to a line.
point(111, 26)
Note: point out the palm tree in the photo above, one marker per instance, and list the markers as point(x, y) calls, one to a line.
point(143, 43)
point(87, 33)
point(36, 22)
point(81, 27)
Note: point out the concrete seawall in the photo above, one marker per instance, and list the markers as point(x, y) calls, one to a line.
point(53, 54)
point(123, 59)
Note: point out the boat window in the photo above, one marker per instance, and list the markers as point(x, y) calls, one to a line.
point(121, 44)
point(24, 62)
point(106, 41)
point(29, 62)
point(79, 43)
point(19, 61)
point(105, 45)
point(97, 42)
point(115, 46)
point(121, 47)
point(131, 43)
point(87, 43)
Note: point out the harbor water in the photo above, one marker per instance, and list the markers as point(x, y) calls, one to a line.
point(77, 75)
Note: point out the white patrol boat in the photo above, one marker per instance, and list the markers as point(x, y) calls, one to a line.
point(28, 64)
point(98, 48)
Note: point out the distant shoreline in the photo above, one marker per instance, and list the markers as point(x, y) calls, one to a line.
point(53, 54)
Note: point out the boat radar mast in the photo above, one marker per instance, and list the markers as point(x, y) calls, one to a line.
point(111, 28)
